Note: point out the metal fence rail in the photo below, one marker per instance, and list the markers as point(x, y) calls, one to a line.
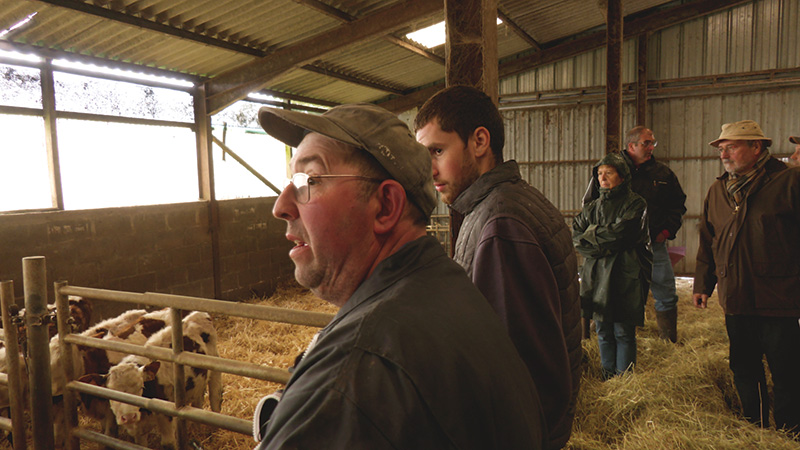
point(34, 281)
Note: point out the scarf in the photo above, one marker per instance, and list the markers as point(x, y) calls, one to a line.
point(738, 185)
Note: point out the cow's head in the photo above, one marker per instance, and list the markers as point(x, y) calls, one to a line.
point(130, 377)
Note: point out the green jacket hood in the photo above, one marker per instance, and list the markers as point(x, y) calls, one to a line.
point(618, 162)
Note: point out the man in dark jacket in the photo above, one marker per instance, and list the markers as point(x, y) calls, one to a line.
point(415, 358)
point(513, 243)
point(611, 234)
point(665, 207)
point(750, 250)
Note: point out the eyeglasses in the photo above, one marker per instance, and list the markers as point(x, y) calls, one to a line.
point(729, 149)
point(302, 183)
point(648, 143)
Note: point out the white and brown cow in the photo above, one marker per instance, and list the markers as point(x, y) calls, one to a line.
point(134, 327)
point(141, 376)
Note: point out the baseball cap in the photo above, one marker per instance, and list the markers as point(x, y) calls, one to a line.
point(368, 127)
point(745, 130)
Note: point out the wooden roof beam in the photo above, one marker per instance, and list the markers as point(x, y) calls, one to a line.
point(345, 17)
point(235, 84)
point(519, 31)
point(652, 22)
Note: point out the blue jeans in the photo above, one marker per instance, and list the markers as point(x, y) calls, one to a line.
point(617, 345)
point(663, 284)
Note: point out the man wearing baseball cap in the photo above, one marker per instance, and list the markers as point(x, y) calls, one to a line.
point(750, 250)
point(794, 160)
point(415, 357)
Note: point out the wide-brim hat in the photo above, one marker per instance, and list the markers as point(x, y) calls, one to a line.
point(744, 130)
point(794, 139)
point(367, 127)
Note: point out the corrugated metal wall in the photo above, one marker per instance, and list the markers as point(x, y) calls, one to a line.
point(554, 145)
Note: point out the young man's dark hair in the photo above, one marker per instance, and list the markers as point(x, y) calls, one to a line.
point(463, 109)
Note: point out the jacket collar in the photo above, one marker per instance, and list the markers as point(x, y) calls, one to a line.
point(477, 191)
point(397, 266)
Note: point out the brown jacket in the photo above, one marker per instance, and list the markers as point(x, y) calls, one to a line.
point(753, 254)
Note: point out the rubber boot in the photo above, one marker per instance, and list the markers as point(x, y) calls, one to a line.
point(668, 325)
point(585, 331)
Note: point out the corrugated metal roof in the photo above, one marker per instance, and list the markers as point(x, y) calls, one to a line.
point(209, 37)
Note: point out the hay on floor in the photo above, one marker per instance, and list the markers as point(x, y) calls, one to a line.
point(680, 396)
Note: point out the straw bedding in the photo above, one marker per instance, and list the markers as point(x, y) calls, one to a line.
point(680, 396)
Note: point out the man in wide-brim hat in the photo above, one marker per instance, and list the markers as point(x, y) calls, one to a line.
point(750, 250)
point(794, 160)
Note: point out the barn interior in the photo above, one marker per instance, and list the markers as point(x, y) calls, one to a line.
point(570, 77)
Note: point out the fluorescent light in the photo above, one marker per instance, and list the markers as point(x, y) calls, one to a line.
point(432, 36)
point(17, 25)
point(134, 76)
point(256, 96)
point(19, 56)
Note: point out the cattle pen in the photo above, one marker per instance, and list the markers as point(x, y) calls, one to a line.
point(41, 401)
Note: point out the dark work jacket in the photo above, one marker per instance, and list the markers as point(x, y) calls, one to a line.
point(414, 360)
point(516, 247)
point(661, 190)
point(611, 234)
point(753, 255)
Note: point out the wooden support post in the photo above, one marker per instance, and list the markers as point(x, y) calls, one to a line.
point(205, 168)
point(614, 76)
point(50, 135)
point(472, 45)
point(34, 275)
point(641, 81)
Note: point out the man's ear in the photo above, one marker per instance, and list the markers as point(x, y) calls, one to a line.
point(392, 199)
point(483, 142)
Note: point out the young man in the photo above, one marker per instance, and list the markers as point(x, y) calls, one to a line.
point(414, 358)
point(513, 243)
point(665, 208)
point(750, 250)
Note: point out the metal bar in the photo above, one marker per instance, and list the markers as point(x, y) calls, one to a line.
point(259, 312)
point(178, 381)
point(244, 164)
point(70, 415)
point(120, 119)
point(121, 17)
point(13, 380)
point(108, 441)
point(235, 367)
point(34, 274)
point(168, 408)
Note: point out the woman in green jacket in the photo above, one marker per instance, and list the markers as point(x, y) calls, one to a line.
point(611, 235)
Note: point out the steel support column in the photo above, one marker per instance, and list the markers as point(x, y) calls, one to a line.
point(614, 76)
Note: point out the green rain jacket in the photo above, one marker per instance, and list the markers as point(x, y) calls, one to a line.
point(611, 235)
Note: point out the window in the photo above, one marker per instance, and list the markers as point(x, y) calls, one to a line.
point(24, 174)
point(114, 164)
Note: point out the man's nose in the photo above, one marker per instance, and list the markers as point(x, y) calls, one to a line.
point(286, 204)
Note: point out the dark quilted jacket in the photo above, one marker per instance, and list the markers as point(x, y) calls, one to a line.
point(517, 248)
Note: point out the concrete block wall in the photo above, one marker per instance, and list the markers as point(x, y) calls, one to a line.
point(157, 248)
point(254, 253)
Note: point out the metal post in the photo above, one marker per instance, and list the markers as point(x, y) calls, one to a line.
point(614, 77)
point(180, 384)
point(34, 275)
point(15, 396)
point(70, 400)
point(641, 81)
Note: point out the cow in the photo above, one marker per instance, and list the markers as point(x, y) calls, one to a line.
point(80, 316)
point(134, 327)
point(141, 376)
